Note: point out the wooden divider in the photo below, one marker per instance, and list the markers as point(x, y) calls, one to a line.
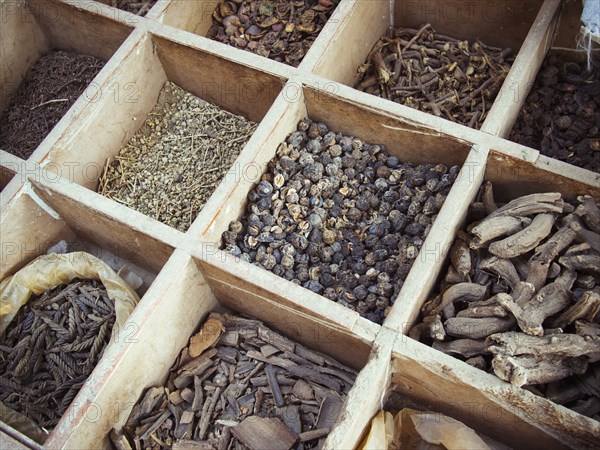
point(507, 413)
point(520, 79)
point(50, 197)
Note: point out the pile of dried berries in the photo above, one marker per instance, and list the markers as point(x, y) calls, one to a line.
point(439, 74)
point(277, 29)
point(172, 165)
point(50, 87)
point(521, 298)
point(253, 389)
point(51, 347)
point(140, 8)
point(340, 217)
point(561, 116)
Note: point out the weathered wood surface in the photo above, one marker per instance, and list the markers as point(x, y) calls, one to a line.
point(195, 278)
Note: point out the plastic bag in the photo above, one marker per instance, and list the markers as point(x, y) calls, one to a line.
point(22, 424)
point(381, 434)
point(411, 429)
point(47, 272)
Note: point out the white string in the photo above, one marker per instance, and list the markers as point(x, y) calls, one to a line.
point(590, 30)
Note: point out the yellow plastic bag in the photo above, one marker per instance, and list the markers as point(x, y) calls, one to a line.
point(47, 272)
point(438, 429)
point(416, 430)
point(381, 434)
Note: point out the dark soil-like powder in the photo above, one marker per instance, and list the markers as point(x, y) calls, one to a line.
point(49, 89)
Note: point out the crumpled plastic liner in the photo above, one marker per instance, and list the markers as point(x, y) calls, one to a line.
point(590, 30)
point(591, 16)
point(22, 424)
point(416, 430)
point(47, 272)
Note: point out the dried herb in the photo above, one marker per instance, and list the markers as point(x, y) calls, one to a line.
point(450, 78)
point(51, 347)
point(254, 389)
point(50, 87)
point(561, 116)
point(521, 298)
point(277, 29)
point(340, 217)
point(172, 165)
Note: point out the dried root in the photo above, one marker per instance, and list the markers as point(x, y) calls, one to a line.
point(523, 287)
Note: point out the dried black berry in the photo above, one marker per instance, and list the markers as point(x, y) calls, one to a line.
point(340, 217)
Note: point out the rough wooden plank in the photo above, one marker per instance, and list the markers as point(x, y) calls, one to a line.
point(427, 265)
point(195, 17)
point(339, 50)
point(108, 116)
point(484, 402)
point(22, 42)
point(323, 322)
point(517, 84)
point(364, 399)
point(502, 23)
point(28, 227)
point(513, 177)
point(179, 297)
point(125, 232)
point(70, 27)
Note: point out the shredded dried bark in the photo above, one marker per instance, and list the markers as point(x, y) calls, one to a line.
point(50, 87)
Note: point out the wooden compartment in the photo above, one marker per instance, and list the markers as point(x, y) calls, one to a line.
point(511, 178)
point(411, 143)
point(526, 27)
point(420, 377)
point(504, 412)
point(567, 44)
point(46, 211)
point(148, 61)
point(196, 17)
point(40, 217)
point(50, 197)
point(177, 303)
point(31, 29)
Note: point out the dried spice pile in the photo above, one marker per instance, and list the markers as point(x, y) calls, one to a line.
point(51, 347)
point(172, 165)
point(50, 87)
point(521, 298)
point(340, 217)
point(253, 389)
point(561, 116)
point(277, 29)
point(450, 78)
point(140, 8)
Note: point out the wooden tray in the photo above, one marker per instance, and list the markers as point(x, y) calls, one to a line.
point(51, 197)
